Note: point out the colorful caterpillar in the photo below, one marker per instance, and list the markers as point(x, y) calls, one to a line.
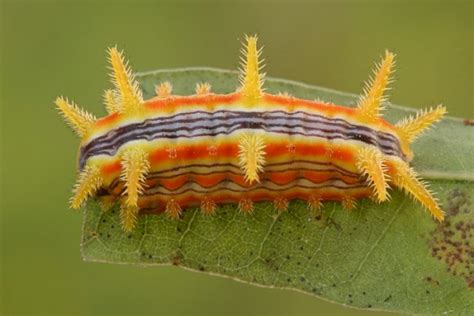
point(172, 152)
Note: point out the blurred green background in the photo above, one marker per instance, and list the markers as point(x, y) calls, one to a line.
point(51, 48)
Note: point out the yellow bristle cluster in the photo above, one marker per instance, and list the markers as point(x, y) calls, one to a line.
point(251, 156)
point(251, 80)
point(128, 217)
point(125, 83)
point(370, 103)
point(349, 203)
point(135, 167)
point(281, 204)
point(80, 120)
point(314, 204)
point(106, 202)
point(371, 163)
point(412, 127)
point(208, 206)
point(285, 94)
point(164, 89)
point(173, 209)
point(112, 102)
point(407, 179)
point(89, 181)
point(203, 88)
point(245, 206)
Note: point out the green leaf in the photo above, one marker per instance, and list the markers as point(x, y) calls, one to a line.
point(389, 256)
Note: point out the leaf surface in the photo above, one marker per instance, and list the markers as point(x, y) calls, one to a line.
point(389, 256)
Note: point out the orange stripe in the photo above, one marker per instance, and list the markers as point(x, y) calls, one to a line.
point(109, 119)
point(178, 103)
point(230, 151)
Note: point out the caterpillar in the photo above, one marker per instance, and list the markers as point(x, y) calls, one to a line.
point(172, 152)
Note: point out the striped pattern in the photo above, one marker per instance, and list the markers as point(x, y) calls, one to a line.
point(194, 124)
point(193, 151)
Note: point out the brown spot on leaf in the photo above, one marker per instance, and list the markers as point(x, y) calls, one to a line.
point(176, 259)
point(468, 122)
point(449, 241)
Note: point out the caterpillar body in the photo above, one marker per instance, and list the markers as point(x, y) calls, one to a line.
point(172, 152)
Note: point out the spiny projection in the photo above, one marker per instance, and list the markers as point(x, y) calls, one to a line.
point(407, 179)
point(111, 101)
point(412, 127)
point(251, 79)
point(125, 83)
point(203, 88)
point(371, 163)
point(80, 120)
point(370, 103)
point(251, 156)
point(89, 181)
point(164, 89)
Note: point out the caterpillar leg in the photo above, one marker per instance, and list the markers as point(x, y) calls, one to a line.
point(251, 156)
point(371, 163)
point(407, 179)
point(135, 167)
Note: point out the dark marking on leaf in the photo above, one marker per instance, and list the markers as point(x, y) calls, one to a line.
point(468, 122)
point(177, 259)
point(330, 221)
point(450, 242)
